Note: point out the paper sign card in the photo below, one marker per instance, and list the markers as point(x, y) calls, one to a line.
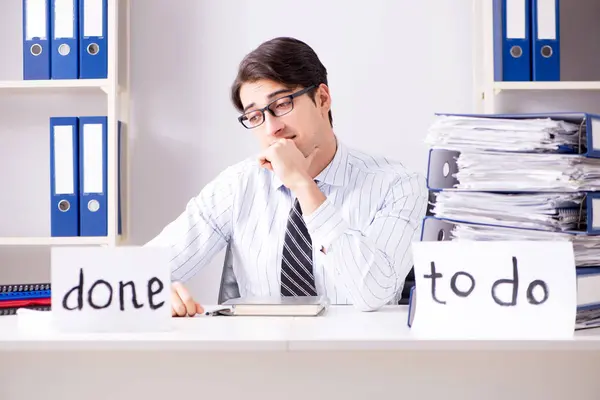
point(111, 289)
point(494, 289)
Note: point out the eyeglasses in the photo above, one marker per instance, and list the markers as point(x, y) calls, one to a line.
point(276, 108)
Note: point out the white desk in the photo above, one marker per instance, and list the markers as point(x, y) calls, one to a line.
point(344, 354)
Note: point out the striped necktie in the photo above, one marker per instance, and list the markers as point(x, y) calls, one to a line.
point(297, 277)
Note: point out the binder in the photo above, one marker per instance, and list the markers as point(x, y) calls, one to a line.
point(35, 294)
point(24, 287)
point(442, 163)
point(546, 40)
point(588, 217)
point(412, 306)
point(436, 229)
point(36, 39)
point(13, 310)
point(589, 127)
point(93, 43)
point(64, 176)
point(588, 288)
point(512, 44)
point(93, 176)
point(26, 302)
point(24, 291)
point(442, 168)
point(65, 39)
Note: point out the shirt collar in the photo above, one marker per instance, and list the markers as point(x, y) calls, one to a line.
point(335, 173)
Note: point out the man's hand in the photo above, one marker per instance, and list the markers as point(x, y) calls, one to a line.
point(288, 163)
point(182, 303)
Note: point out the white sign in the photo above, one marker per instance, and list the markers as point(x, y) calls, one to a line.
point(111, 289)
point(494, 289)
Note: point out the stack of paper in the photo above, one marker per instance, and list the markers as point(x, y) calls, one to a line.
point(520, 177)
point(543, 211)
point(505, 134)
point(586, 248)
point(499, 171)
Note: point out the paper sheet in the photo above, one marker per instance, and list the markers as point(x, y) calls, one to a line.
point(494, 290)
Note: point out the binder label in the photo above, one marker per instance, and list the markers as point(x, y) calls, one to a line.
point(35, 19)
point(107, 289)
point(93, 17)
point(546, 19)
point(495, 289)
point(515, 19)
point(64, 23)
point(92, 158)
point(63, 160)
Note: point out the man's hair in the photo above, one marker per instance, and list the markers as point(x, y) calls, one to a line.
point(285, 60)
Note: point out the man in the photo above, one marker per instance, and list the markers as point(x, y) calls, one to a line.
point(308, 215)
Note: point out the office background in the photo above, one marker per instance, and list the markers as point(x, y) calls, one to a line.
point(391, 63)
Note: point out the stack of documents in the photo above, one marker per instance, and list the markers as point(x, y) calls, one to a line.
point(33, 296)
point(505, 134)
point(527, 172)
point(585, 247)
point(518, 177)
point(541, 211)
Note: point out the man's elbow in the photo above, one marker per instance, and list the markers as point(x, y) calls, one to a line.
point(377, 295)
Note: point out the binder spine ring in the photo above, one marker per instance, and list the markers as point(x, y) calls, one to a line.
point(516, 51)
point(64, 205)
point(93, 205)
point(441, 236)
point(36, 49)
point(446, 169)
point(64, 49)
point(93, 49)
point(546, 51)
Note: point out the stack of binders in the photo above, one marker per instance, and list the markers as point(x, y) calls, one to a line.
point(526, 40)
point(65, 39)
point(78, 174)
point(33, 296)
point(520, 177)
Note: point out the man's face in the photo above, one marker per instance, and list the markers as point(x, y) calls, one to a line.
point(303, 124)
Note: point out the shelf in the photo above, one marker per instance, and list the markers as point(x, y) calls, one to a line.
point(539, 85)
point(53, 241)
point(114, 92)
point(61, 84)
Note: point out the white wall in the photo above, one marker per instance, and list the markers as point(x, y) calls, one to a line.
point(391, 65)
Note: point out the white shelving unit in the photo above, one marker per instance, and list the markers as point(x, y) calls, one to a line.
point(66, 84)
point(53, 241)
point(116, 90)
point(486, 89)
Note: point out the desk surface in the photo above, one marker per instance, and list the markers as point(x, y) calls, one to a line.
point(341, 328)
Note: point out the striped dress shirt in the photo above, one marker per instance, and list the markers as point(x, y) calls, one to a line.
point(373, 211)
